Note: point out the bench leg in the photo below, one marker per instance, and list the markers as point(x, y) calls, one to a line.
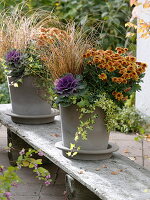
point(76, 191)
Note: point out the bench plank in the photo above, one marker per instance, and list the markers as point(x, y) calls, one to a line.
point(131, 182)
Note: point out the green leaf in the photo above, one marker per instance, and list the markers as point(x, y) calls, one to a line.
point(10, 145)
point(25, 163)
point(68, 153)
point(72, 146)
point(31, 165)
point(74, 154)
point(38, 161)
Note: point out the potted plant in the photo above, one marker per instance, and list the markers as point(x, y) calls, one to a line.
point(90, 84)
point(28, 78)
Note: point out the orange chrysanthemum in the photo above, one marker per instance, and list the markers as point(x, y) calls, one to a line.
point(138, 63)
point(130, 68)
point(111, 68)
point(90, 62)
point(134, 76)
point(114, 93)
point(120, 67)
point(127, 89)
point(96, 59)
point(121, 50)
point(102, 76)
point(120, 80)
point(139, 70)
point(124, 81)
point(101, 66)
point(131, 58)
point(124, 62)
point(123, 71)
point(114, 79)
point(144, 65)
point(119, 96)
point(126, 76)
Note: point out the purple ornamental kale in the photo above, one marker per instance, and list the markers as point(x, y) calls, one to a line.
point(13, 56)
point(66, 85)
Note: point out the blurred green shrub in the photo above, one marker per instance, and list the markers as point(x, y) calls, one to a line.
point(104, 18)
point(129, 120)
point(4, 93)
point(2, 76)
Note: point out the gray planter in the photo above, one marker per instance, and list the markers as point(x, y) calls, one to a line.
point(96, 146)
point(27, 105)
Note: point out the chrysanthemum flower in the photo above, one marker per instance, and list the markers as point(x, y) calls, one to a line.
point(130, 68)
point(126, 76)
point(101, 66)
point(124, 81)
point(127, 89)
point(114, 93)
point(119, 96)
point(123, 71)
point(96, 59)
point(114, 79)
point(131, 58)
point(111, 68)
point(102, 76)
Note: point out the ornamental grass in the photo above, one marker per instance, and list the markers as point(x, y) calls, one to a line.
point(17, 29)
point(62, 49)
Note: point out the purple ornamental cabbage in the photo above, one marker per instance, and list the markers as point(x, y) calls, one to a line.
point(13, 56)
point(66, 85)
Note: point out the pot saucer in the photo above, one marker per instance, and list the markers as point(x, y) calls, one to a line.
point(89, 155)
point(33, 119)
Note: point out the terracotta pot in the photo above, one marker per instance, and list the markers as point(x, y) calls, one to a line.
point(27, 105)
point(96, 146)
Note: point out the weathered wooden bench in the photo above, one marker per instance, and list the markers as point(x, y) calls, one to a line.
point(117, 178)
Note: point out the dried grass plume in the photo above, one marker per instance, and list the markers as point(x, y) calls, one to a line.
point(63, 49)
point(17, 29)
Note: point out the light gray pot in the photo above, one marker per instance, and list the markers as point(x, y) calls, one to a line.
point(27, 105)
point(96, 146)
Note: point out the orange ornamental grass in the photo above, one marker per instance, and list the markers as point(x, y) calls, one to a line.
point(118, 70)
point(62, 49)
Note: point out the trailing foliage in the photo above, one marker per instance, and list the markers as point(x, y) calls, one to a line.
point(129, 120)
point(87, 108)
point(9, 177)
